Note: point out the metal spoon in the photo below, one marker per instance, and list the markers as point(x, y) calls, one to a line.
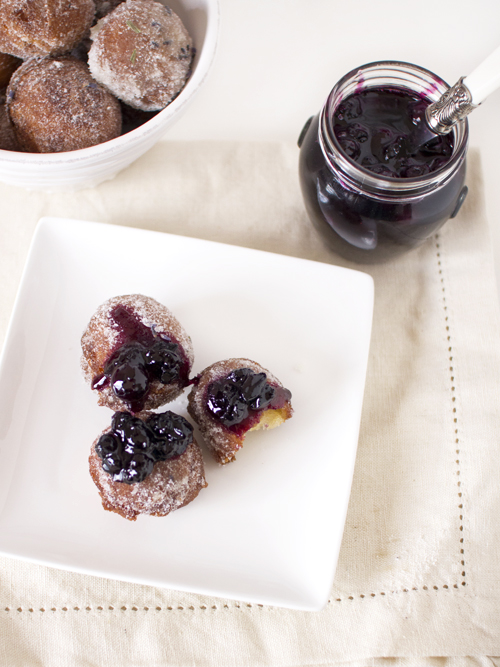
point(458, 101)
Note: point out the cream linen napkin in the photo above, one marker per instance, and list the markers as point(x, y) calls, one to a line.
point(418, 572)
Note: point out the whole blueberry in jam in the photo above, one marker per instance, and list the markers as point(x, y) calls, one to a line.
point(134, 469)
point(107, 444)
point(132, 447)
point(130, 383)
point(231, 399)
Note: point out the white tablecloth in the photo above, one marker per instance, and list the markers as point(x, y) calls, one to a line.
point(418, 570)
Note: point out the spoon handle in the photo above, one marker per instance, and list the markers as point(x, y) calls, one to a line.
point(485, 79)
point(468, 93)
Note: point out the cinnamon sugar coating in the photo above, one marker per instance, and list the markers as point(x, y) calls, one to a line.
point(222, 442)
point(171, 485)
point(55, 106)
point(31, 28)
point(142, 53)
point(100, 338)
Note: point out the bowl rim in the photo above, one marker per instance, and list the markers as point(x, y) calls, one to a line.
point(204, 61)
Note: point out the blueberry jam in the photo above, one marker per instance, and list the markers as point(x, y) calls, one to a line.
point(369, 189)
point(238, 399)
point(132, 447)
point(171, 435)
point(140, 356)
point(375, 128)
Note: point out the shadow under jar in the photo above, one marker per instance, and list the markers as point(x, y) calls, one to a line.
point(367, 216)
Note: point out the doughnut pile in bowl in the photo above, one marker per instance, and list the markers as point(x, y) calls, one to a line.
point(83, 96)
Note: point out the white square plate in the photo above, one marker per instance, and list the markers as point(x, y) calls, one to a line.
point(268, 527)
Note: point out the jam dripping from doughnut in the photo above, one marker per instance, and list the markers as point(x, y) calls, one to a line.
point(238, 400)
point(131, 448)
point(139, 357)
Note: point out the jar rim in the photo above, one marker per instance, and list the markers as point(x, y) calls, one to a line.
point(399, 75)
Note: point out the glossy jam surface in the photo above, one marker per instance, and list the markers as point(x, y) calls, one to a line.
point(238, 400)
point(140, 356)
point(132, 446)
point(377, 129)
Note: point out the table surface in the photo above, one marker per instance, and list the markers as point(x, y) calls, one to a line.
point(278, 59)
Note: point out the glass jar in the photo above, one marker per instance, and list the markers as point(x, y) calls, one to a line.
point(368, 217)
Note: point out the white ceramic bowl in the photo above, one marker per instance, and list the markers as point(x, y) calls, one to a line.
point(88, 167)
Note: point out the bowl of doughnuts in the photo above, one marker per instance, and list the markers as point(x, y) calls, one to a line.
point(89, 86)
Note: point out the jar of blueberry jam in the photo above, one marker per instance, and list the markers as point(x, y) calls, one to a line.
point(370, 187)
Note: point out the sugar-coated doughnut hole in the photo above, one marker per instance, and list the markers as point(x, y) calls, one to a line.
point(55, 105)
point(142, 53)
point(31, 28)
